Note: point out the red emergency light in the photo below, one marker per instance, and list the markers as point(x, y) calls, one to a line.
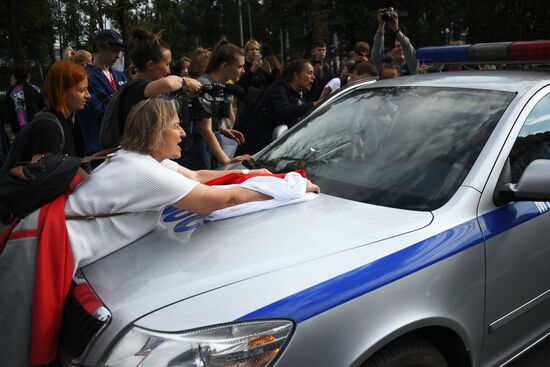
point(485, 53)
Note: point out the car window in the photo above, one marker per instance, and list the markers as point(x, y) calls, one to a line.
point(404, 147)
point(533, 141)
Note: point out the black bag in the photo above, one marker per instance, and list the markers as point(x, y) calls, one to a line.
point(112, 127)
point(47, 178)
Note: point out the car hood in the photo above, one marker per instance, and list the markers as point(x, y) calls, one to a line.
point(166, 266)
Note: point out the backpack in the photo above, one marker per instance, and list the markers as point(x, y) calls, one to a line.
point(111, 125)
point(36, 268)
point(17, 289)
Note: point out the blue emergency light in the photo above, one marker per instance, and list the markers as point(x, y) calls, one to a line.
point(483, 53)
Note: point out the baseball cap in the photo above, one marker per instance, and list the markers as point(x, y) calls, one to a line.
point(110, 36)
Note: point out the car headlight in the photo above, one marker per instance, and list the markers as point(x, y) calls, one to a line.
point(243, 344)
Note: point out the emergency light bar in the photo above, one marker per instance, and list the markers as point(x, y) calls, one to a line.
point(487, 53)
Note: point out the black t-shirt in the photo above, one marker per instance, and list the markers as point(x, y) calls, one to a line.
point(41, 135)
point(134, 92)
point(74, 141)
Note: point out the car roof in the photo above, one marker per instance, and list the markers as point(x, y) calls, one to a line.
point(518, 81)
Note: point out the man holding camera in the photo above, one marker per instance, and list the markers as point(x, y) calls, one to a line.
point(402, 52)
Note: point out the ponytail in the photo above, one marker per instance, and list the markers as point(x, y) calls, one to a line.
point(146, 46)
point(224, 52)
point(68, 53)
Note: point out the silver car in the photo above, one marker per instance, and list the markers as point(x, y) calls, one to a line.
point(427, 247)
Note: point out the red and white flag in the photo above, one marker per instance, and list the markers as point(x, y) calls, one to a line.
point(284, 188)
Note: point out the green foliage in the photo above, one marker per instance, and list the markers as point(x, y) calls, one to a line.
point(187, 24)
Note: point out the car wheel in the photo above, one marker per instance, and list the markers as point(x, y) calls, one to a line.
point(408, 352)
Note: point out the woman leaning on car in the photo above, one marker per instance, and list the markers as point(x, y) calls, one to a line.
point(127, 193)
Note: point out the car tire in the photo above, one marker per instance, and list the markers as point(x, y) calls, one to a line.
point(408, 352)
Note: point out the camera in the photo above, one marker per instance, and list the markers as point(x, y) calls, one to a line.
point(214, 89)
point(386, 14)
point(211, 102)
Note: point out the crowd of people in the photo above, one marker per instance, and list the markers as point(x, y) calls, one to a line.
point(218, 107)
point(173, 122)
point(232, 98)
point(89, 106)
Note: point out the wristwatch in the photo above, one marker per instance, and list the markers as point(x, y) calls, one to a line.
point(245, 171)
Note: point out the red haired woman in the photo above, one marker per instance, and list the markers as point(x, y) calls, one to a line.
point(66, 91)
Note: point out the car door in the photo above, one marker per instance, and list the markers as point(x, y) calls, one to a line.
point(517, 244)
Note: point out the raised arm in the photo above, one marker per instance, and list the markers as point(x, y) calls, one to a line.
point(410, 53)
point(377, 51)
point(408, 49)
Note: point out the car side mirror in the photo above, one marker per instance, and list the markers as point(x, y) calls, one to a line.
point(279, 131)
point(533, 185)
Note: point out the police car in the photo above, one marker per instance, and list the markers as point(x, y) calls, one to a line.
point(428, 246)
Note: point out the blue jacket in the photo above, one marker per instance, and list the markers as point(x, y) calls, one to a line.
point(101, 93)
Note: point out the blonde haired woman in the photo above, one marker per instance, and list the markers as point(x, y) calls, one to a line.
point(257, 71)
point(80, 57)
point(139, 181)
point(256, 77)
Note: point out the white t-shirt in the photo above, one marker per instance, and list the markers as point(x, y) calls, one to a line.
point(129, 182)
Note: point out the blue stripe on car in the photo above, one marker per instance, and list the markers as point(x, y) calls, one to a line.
point(355, 283)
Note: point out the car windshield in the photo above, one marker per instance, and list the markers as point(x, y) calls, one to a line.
point(402, 147)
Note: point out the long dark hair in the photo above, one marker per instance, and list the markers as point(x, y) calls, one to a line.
point(224, 52)
point(146, 46)
point(294, 67)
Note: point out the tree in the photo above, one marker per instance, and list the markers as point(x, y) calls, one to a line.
point(18, 51)
point(29, 29)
